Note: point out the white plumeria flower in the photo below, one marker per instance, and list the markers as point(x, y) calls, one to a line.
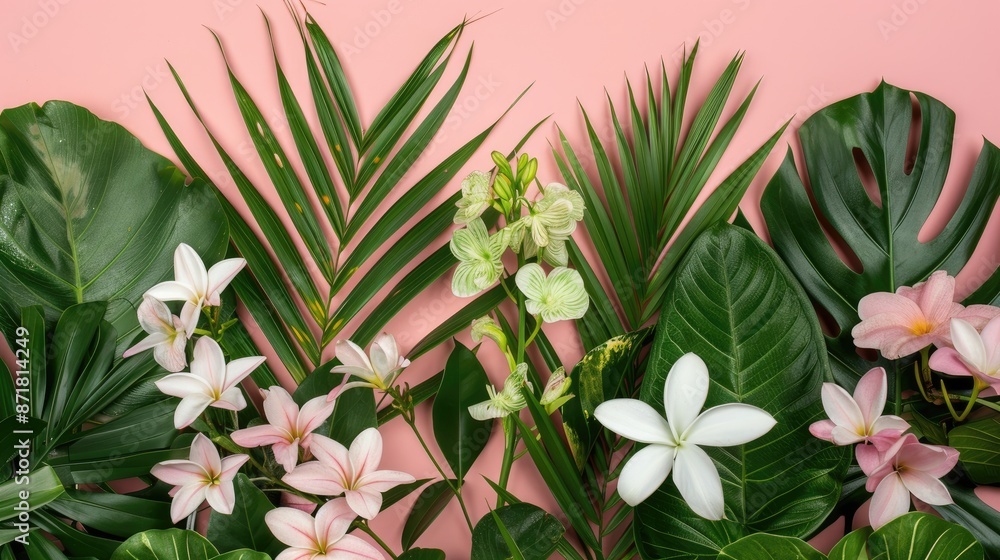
point(204, 476)
point(352, 472)
point(479, 257)
point(321, 538)
point(556, 297)
point(211, 382)
point(673, 444)
point(167, 335)
point(194, 285)
point(476, 197)
point(378, 369)
point(507, 401)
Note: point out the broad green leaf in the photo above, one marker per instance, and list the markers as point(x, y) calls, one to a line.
point(422, 554)
point(40, 548)
point(242, 554)
point(733, 303)
point(42, 485)
point(854, 546)
point(461, 437)
point(115, 514)
point(76, 543)
point(535, 533)
point(974, 514)
point(864, 140)
point(978, 445)
point(426, 509)
point(923, 536)
point(245, 527)
point(169, 544)
point(763, 546)
point(89, 214)
point(595, 379)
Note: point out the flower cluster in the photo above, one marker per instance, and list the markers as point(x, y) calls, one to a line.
point(965, 342)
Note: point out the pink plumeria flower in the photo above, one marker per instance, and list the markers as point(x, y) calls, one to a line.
point(859, 419)
point(675, 444)
point(167, 336)
point(914, 318)
point(211, 382)
point(353, 473)
point(973, 354)
point(289, 428)
point(908, 467)
point(204, 477)
point(378, 371)
point(194, 285)
point(324, 537)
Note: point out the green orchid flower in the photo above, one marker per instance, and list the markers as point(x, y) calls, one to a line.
point(504, 402)
point(559, 296)
point(476, 197)
point(479, 255)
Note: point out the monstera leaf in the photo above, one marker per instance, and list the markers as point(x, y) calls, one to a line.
point(898, 143)
point(89, 214)
point(735, 304)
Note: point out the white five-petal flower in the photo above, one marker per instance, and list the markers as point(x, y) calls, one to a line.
point(479, 257)
point(353, 473)
point(194, 285)
point(167, 335)
point(289, 427)
point(322, 538)
point(476, 197)
point(377, 370)
point(211, 382)
point(674, 443)
point(205, 476)
point(556, 297)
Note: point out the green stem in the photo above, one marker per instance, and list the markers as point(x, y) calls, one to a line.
point(510, 442)
point(408, 418)
point(368, 531)
point(920, 382)
point(971, 401)
point(534, 333)
point(521, 317)
point(897, 404)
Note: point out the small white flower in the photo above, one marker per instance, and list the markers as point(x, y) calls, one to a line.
point(377, 370)
point(674, 442)
point(557, 297)
point(507, 401)
point(479, 255)
point(554, 395)
point(476, 197)
point(167, 336)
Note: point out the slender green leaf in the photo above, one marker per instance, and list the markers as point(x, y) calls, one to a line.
point(426, 509)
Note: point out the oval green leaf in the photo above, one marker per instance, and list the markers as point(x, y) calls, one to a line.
point(735, 304)
point(854, 546)
point(535, 533)
point(168, 544)
point(461, 437)
point(978, 445)
point(923, 536)
point(763, 546)
point(426, 509)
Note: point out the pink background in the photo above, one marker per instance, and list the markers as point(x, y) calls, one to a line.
point(103, 53)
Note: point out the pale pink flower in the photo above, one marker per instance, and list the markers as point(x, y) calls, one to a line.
point(859, 419)
point(353, 473)
point(914, 318)
point(167, 336)
point(973, 353)
point(377, 370)
point(908, 467)
point(288, 429)
point(211, 382)
point(205, 476)
point(194, 285)
point(324, 537)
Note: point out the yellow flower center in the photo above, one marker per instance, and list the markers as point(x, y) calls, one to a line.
point(921, 327)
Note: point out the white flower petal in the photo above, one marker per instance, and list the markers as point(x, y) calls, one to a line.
point(698, 481)
point(634, 420)
point(189, 269)
point(969, 344)
point(685, 391)
point(645, 472)
point(729, 424)
point(530, 279)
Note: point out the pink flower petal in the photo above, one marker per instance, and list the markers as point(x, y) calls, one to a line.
point(172, 353)
point(868, 458)
point(204, 454)
point(842, 409)
point(947, 360)
point(183, 384)
point(366, 452)
point(152, 341)
point(257, 436)
point(991, 338)
point(312, 415)
point(238, 370)
point(154, 316)
point(334, 519)
point(190, 315)
point(231, 465)
point(870, 395)
point(189, 269)
point(297, 554)
point(221, 497)
point(822, 430)
point(293, 527)
point(231, 399)
point(209, 363)
point(925, 487)
point(220, 275)
point(351, 354)
point(979, 315)
point(189, 409)
point(967, 342)
point(354, 548)
point(332, 455)
point(364, 503)
point(279, 409)
point(937, 297)
point(171, 291)
point(381, 481)
point(186, 500)
point(935, 460)
point(179, 472)
point(286, 454)
point(891, 499)
point(315, 478)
